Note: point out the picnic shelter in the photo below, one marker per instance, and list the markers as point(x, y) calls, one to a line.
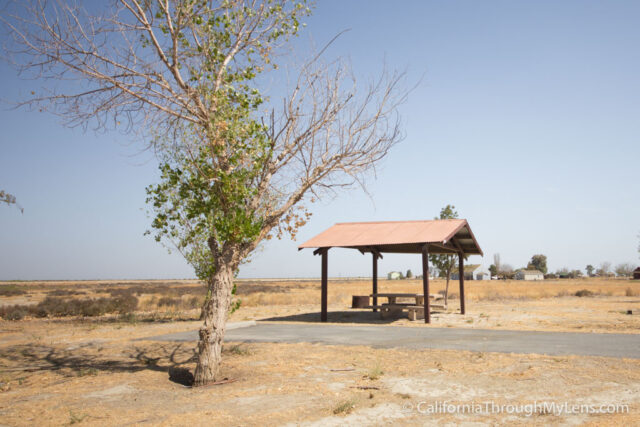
point(439, 236)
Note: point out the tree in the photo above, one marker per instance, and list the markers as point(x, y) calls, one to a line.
point(624, 269)
point(589, 268)
point(433, 272)
point(506, 268)
point(506, 271)
point(445, 262)
point(538, 262)
point(493, 270)
point(497, 263)
point(604, 269)
point(236, 167)
point(409, 274)
point(9, 199)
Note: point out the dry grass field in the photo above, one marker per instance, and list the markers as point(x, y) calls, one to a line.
point(98, 368)
point(548, 305)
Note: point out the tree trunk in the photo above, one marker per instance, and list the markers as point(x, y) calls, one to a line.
point(203, 309)
point(216, 311)
point(446, 289)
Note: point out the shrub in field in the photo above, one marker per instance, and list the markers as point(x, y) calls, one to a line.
point(13, 312)
point(238, 350)
point(53, 306)
point(163, 289)
point(374, 374)
point(128, 318)
point(125, 304)
point(17, 314)
point(584, 293)
point(60, 307)
point(169, 302)
point(452, 295)
point(65, 292)
point(120, 292)
point(195, 302)
point(11, 290)
point(632, 292)
point(344, 407)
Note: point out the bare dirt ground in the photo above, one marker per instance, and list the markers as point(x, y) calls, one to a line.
point(102, 371)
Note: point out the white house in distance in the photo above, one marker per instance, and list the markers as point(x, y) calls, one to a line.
point(394, 275)
point(472, 272)
point(529, 275)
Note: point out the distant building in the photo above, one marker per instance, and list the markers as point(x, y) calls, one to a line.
point(394, 275)
point(636, 274)
point(529, 275)
point(472, 272)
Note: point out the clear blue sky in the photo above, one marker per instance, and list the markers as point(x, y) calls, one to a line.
point(527, 119)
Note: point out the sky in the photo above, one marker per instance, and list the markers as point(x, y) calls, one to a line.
point(525, 116)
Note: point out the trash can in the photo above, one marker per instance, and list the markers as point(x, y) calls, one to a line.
point(360, 301)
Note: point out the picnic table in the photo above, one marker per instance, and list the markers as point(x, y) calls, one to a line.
point(415, 309)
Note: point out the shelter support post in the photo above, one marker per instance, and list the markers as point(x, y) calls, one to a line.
point(425, 284)
point(323, 303)
point(375, 280)
point(461, 276)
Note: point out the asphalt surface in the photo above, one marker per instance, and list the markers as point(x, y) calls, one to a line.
point(485, 340)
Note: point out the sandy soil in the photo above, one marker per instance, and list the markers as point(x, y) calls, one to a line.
point(57, 373)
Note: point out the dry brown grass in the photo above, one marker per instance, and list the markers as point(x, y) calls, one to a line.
point(340, 291)
point(547, 305)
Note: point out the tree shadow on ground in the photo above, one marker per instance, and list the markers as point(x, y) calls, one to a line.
point(87, 359)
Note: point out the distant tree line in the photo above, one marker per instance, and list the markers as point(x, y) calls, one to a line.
point(539, 262)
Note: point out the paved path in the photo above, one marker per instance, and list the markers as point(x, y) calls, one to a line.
point(487, 340)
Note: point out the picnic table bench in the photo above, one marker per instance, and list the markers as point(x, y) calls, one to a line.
point(415, 309)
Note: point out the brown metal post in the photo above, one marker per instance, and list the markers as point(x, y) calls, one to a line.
point(425, 284)
point(375, 279)
point(461, 275)
point(323, 303)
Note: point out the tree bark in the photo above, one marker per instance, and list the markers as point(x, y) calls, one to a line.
point(203, 309)
point(216, 311)
point(446, 289)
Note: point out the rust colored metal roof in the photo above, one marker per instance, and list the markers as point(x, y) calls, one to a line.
point(442, 235)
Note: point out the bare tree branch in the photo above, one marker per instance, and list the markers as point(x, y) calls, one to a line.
point(235, 170)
